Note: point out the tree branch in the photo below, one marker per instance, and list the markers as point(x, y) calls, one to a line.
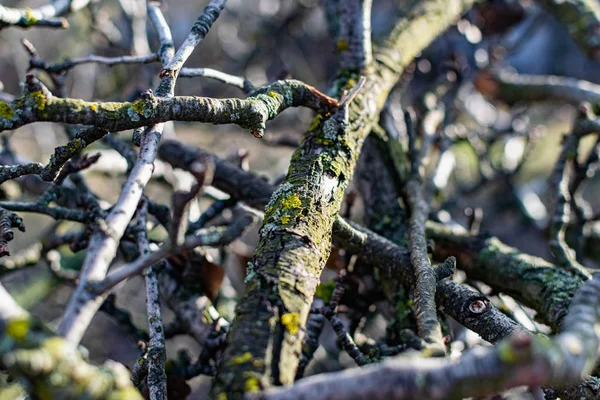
point(295, 237)
point(531, 280)
point(582, 20)
point(264, 104)
point(49, 365)
point(519, 360)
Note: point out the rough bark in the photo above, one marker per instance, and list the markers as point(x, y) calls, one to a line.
point(264, 343)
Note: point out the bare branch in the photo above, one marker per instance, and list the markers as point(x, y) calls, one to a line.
point(561, 179)
point(512, 88)
point(157, 352)
point(425, 284)
point(61, 155)
point(354, 41)
point(198, 32)
point(208, 237)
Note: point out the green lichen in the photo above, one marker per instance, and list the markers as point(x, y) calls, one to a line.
point(244, 358)
point(342, 45)
point(315, 123)
point(251, 385)
point(18, 328)
point(39, 99)
point(324, 142)
point(30, 20)
point(138, 106)
point(291, 202)
point(291, 321)
point(6, 110)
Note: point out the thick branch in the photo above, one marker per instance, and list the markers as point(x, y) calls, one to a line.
point(264, 104)
point(295, 238)
point(245, 186)
point(475, 311)
point(531, 280)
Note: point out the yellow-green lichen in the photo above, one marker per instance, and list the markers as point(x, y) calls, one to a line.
point(272, 94)
point(6, 110)
point(39, 99)
point(93, 107)
point(342, 45)
point(291, 321)
point(251, 385)
point(316, 122)
point(29, 18)
point(324, 142)
point(292, 201)
point(18, 328)
point(138, 106)
point(244, 358)
point(285, 219)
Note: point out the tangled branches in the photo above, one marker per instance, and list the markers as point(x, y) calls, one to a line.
point(412, 284)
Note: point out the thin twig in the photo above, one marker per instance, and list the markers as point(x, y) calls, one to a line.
point(425, 283)
point(561, 177)
point(157, 353)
